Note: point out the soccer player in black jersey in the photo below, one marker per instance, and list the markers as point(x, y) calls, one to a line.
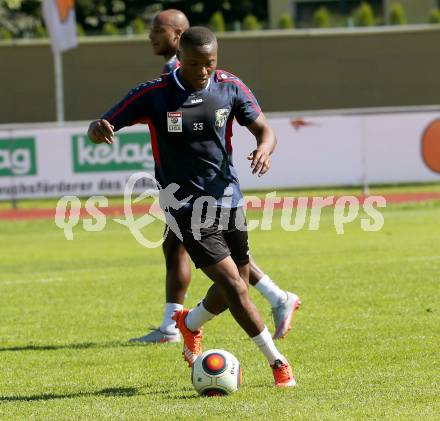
point(190, 113)
point(165, 32)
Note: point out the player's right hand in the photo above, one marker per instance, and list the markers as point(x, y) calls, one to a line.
point(101, 131)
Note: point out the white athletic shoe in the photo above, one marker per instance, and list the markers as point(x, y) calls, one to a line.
point(156, 336)
point(282, 315)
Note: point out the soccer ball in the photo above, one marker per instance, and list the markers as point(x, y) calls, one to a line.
point(216, 373)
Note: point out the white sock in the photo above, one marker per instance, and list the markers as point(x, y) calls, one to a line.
point(168, 324)
point(197, 317)
point(264, 341)
point(271, 291)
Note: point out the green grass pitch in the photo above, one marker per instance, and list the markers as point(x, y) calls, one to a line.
point(364, 345)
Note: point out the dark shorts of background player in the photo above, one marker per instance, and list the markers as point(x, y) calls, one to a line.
point(226, 236)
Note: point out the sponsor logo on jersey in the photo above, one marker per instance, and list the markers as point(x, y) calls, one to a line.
point(128, 152)
point(196, 101)
point(18, 157)
point(221, 116)
point(174, 120)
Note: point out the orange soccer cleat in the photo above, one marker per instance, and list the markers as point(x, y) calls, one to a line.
point(282, 373)
point(192, 341)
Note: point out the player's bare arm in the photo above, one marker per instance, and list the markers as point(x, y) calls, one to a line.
point(266, 142)
point(101, 131)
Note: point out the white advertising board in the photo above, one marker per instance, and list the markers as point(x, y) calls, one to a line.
point(394, 148)
point(312, 151)
point(54, 162)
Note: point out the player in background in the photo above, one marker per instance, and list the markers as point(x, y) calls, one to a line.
point(165, 33)
point(190, 112)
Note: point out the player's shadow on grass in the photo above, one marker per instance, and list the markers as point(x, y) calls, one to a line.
point(108, 392)
point(86, 345)
point(183, 393)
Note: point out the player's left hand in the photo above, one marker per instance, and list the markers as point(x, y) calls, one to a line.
point(260, 158)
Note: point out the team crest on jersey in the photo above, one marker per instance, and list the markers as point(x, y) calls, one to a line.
point(174, 120)
point(221, 116)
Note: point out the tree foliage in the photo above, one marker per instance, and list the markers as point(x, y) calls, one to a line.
point(286, 21)
point(199, 12)
point(21, 17)
point(40, 31)
point(435, 16)
point(364, 15)
point(5, 34)
point(93, 14)
point(217, 22)
point(397, 14)
point(138, 26)
point(321, 18)
point(250, 23)
point(80, 30)
point(110, 28)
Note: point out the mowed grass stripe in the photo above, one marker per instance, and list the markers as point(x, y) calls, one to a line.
point(364, 344)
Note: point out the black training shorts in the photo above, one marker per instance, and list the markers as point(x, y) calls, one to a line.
point(220, 232)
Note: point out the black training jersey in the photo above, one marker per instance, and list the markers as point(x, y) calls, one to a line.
point(172, 64)
point(191, 131)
